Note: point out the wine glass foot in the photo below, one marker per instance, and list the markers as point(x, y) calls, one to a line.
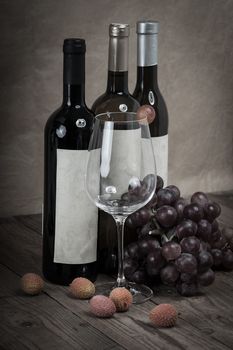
point(140, 292)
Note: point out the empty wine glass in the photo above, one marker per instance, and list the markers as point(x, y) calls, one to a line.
point(121, 178)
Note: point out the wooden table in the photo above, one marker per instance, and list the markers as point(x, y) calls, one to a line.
point(53, 320)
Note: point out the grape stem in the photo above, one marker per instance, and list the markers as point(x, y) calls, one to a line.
point(120, 223)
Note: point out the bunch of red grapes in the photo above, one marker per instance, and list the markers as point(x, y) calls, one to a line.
point(179, 243)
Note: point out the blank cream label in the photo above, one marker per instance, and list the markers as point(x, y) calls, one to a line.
point(76, 215)
point(160, 146)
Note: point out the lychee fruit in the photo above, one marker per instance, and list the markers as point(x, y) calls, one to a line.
point(102, 306)
point(163, 315)
point(32, 284)
point(82, 288)
point(146, 111)
point(122, 298)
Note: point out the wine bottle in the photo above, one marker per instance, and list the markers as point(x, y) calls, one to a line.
point(115, 99)
point(147, 91)
point(69, 218)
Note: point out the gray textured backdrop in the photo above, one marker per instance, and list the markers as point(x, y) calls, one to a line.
point(195, 76)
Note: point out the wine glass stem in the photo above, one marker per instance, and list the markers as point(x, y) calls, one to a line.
point(120, 223)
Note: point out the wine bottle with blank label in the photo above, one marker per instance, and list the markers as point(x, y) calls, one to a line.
point(115, 99)
point(147, 91)
point(69, 218)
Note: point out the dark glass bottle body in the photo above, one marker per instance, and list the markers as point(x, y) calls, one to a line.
point(68, 129)
point(147, 92)
point(116, 99)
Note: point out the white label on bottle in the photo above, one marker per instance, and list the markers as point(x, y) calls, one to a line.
point(76, 216)
point(160, 145)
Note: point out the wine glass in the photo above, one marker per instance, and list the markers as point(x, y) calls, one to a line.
point(121, 178)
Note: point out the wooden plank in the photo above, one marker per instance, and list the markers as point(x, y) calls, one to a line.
point(130, 330)
point(40, 322)
point(9, 282)
point(211, 312)
point(136, 323)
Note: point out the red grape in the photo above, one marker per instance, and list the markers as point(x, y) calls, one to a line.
point(217, 256)
point(165, 197)
point(199, 198)
point(138, 276)
point(216, 235)
point(153, 244)
point(169, 274)
point(166, 216)
point(205, 261)
point(171, 250)
point(185, 229)
point(206, 278)
point(190, 245)
point(130, 266)
point(220, 243)
point(188, 278)
point(154, 261)
point(227, 259)
point(212, 211)
point(175, 190)
point(143, 248)
point(228, 233)
point(159, 183)
point(179, 206)
point(139, 218)
point(204, 230)
point(132, 250)
point(186, 263)
point(194, 212)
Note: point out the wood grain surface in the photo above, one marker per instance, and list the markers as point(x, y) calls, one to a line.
point(54, 320)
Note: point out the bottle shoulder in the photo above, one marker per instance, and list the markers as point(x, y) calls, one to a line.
point(114, 102)
point(68, 113)
point(69, 128)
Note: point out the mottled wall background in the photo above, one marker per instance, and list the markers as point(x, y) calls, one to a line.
point(195, 76)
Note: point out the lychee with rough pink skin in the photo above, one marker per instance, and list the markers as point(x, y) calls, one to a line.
point(82, 288)
point(163, 315)
point(146, 111)
point(122, 298)
point(102, 306)
point(32, 284)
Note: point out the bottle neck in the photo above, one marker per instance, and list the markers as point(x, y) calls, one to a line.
point(74, 79)
point(147, 77)
point(118, 65)
point(147, 53)
point(147, 59)
point(118, 54)
point(73, 94)
point(117, 82)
